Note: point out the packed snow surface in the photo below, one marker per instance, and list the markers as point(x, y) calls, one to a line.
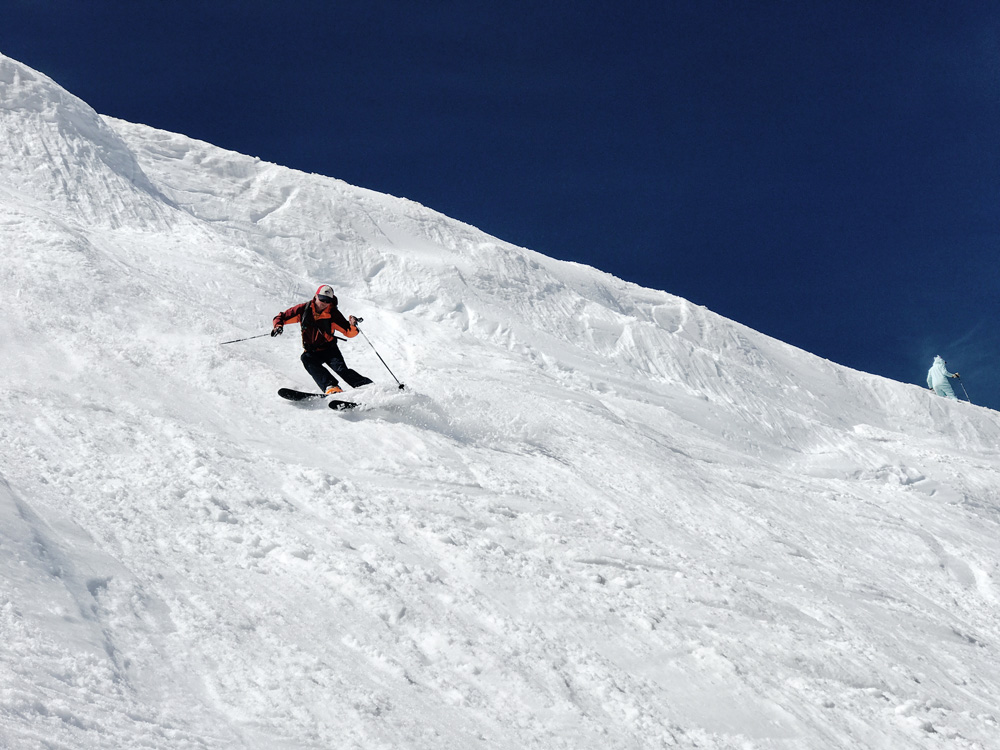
point(598, 516)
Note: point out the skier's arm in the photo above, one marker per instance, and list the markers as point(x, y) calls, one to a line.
point(291, 315)
point(339, 323)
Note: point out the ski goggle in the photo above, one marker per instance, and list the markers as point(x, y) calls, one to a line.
point(324, 299)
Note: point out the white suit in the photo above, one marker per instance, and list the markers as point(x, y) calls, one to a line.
point(937, 379)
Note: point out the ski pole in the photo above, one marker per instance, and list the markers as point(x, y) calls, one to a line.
point(963, 389)
point(362, 320)
point(246, 339)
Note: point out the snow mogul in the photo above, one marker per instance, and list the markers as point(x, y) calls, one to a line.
point(937, 379)
point(321, 320)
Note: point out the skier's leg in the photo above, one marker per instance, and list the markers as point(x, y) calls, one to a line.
point(336, 362)
point(945, 391)
point(313, 362)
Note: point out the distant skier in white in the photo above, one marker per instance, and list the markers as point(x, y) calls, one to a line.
point(937, 379)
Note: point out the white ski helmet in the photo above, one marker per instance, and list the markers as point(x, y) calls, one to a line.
point(325, 294)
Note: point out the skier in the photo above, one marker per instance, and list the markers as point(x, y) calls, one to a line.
point(321, 320)
point(937, 379)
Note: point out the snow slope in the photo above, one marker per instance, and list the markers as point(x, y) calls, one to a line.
point(598, 517)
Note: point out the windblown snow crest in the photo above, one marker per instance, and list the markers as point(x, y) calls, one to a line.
point(57, 150)
point(598, 517)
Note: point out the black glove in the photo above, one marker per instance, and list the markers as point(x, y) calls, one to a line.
point(276, 331)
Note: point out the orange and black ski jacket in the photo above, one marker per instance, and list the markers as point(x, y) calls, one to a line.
point(318, 326)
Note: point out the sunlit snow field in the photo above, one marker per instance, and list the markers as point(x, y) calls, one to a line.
point(598, 516)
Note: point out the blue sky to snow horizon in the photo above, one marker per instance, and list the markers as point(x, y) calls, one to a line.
point(824, 172)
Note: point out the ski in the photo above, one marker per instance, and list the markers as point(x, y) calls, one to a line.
point(341, 405)
point(293, 395)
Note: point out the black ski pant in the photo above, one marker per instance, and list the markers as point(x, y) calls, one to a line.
point(314, 360)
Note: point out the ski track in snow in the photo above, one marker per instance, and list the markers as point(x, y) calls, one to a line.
point(599, 516)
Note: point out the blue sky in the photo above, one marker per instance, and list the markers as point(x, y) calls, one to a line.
point(825, 172)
